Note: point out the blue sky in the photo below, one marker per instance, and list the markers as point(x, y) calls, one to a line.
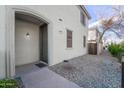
point(96, 11)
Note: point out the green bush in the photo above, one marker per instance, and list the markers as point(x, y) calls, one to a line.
point(116, 49)
point(8, 83)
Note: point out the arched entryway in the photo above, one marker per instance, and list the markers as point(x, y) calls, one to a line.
point(31, 43)
point(21, 39)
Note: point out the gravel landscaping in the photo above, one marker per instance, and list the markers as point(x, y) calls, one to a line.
point(91, 71)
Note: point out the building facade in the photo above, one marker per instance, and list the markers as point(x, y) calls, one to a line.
point(95, 46)
point(62, 29)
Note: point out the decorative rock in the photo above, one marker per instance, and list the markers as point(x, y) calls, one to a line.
point(97, 71)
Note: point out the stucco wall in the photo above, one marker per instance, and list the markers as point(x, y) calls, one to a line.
point(2, 42)
point(26, 49)
point(92, 34)
point(71, 20)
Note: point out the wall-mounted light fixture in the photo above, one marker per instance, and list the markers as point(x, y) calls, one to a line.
point(27, 36)
point(60, 19)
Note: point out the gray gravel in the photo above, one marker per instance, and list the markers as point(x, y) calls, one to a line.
point(91, 71)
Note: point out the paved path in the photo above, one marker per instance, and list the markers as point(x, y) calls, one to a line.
point(45, 78)
point(91, 71)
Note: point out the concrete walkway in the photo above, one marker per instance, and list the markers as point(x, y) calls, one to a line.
point(45, 78)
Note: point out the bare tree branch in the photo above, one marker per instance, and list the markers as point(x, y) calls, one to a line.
point(113, 23)
point(119, 36)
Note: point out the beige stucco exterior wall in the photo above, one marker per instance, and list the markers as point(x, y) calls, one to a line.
point(58, 51)
point(26, 49)
point(2, 42)
point(100, 48)
point(92, 34)
point(71, 20)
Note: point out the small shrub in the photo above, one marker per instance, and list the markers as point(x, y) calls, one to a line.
point(116, 49)
point(8, 83)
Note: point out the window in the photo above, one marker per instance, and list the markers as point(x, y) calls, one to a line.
point(83, 19)
point(84, 41)
point(69, 39)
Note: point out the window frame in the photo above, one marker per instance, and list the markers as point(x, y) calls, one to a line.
point(84, 41)
point(68, 39)
point(83, 19)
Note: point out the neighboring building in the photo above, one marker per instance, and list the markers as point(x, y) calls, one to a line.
point(34, 33)
point(94, 46)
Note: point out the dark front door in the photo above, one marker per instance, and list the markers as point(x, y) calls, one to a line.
point(43, 36)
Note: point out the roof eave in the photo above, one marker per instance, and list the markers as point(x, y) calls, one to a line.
point(86, 12)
